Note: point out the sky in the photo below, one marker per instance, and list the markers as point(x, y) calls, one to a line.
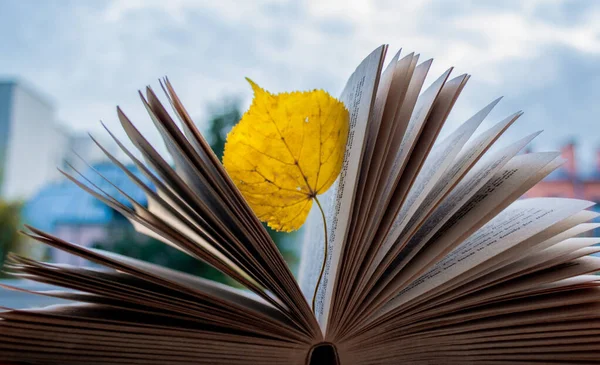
point(543, 56)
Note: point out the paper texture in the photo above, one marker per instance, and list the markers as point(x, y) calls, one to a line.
point(358, 96)
point(515, 224)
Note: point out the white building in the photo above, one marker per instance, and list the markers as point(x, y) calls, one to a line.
point(32, 144)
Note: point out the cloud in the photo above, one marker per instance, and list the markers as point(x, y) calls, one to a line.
point(91, 56)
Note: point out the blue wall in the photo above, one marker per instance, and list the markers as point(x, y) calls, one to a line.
point(63, 202)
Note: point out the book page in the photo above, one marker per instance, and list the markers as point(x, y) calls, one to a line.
point(469, 155)
point(572, 272)
point(506, 185)
point(426, 199)
point(381, 119)
point(423, 145)
point(531, 268)
point(417, 109)
point(134, 283)
point(392, 127)
point(408, 92)
point(169, 215)
point(510, 181)
point(532, 303)
point(523, 219)
point(358, 96)
point(390, 121)
point(515, 176)
point(560, 259)
point(101, 334)
point(474, 180)
point(396, 163)
point(394, 121)
point(377, 122)
point(434, 168)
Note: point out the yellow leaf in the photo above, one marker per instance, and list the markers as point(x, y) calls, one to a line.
point(287, 149)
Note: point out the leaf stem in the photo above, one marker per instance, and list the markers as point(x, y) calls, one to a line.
point(325, 247)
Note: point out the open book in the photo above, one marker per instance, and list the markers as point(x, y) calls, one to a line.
point(432, 256)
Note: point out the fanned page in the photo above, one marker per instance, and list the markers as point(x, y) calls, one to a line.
point(433, 256)
point(358, 96)
point(167, 316)
point(432, 210)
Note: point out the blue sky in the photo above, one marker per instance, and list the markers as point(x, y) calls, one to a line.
point(542, 55)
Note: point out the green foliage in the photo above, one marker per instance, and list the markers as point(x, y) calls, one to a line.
point(224, 116)
point(10, 221)
point(287, 245)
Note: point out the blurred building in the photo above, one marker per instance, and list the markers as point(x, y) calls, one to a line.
point(32, 144)
point(569, 181)
point(69, 212)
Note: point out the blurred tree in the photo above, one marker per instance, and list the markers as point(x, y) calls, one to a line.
point(10, 221)
point(124, 240)
point(223, 116)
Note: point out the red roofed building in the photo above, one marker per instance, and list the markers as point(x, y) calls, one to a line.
point(569, 182)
